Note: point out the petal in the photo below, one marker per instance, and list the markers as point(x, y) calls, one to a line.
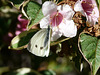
point(21, 19)
point(96, 12)
point(44, 22)
point(78, 7)
point(89, 6)
point(56, 19)
point(90, 20)
point(17, 32)
point(59, 7)
point(55, 34)
point(93, 18)
point(10, 34)
point(22, 22)
point(48, 8)
point(39, 1)
point(66, 11)
point(92, 12)
point(68, 28)
point(18, 26)
point(90, 2)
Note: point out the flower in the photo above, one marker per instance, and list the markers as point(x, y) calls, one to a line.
point(60, 20)
point(21, 26)
point(89, 9)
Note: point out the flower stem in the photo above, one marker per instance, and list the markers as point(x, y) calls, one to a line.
point(54, 43)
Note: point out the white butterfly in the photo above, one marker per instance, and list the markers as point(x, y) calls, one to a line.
point(39, 44)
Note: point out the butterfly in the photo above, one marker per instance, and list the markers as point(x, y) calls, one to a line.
point(39, 44)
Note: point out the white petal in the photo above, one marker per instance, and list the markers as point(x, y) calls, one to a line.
point(67, 12)
point(68, 28)
point(95, 13)
point(39, 1)
point(78, 7)
point(55, 34)
point(59, 7)
point(48, 8)
point(44, 22)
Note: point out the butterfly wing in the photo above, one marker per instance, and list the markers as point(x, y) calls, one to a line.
point(40, 43)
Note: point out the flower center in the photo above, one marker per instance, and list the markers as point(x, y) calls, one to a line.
point(56, 18)
point(88, 7)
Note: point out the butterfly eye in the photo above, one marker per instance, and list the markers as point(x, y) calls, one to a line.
point(36, 46)
point(41, 47)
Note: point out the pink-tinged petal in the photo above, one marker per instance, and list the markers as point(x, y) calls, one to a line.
point(45, 22)
point(90, 2)
point(24, 29)
point(55, 34)
point(21, 19)
point(66, 11)
point(49, 7)
point(17, 32)
point(87, 7)
point(78, 7)
point(21, 26)
point(23, 22)
point(18, 26)
point(92, 12)
point(10, 34)
point(68, 28)
point(56, 19)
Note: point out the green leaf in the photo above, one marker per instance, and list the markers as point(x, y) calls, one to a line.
point(98, 1)
point(90, 49)
point(16, 3)
point(20, 41)
point(32, 10)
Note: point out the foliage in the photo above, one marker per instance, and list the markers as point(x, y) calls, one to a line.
point(79, 55)
point(90, 50)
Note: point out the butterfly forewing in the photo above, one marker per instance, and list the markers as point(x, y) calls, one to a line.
point(40, 43)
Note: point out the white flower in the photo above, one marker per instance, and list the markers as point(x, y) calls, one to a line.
point(89, 9)
point(60, 20)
